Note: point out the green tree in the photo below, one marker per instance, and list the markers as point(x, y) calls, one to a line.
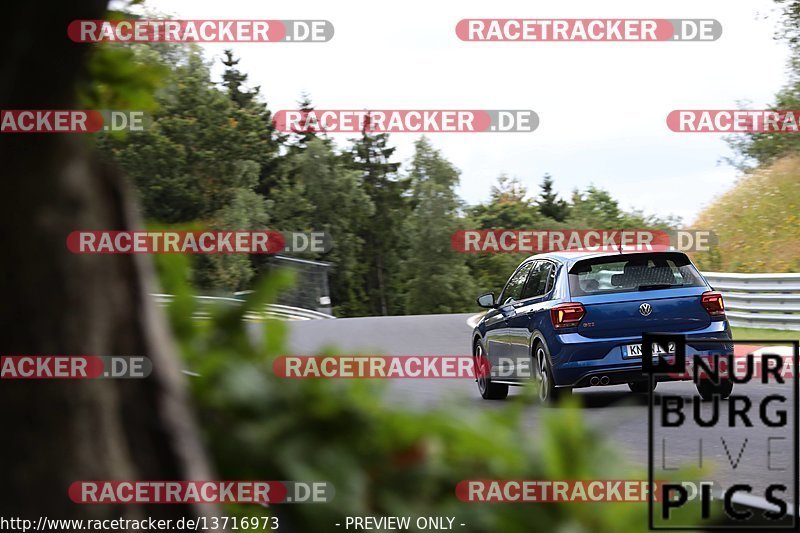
point(200, 160)
point(188, 163)
point(370, 155)
point(233, 79)
point(508, 208)
point(754, 149)
point(318, 192)
point(231, 272)
point(437, 278)
point(298, 140)
point(549, 204)
point(595, 208)
point(253, 117)
point(764, 148)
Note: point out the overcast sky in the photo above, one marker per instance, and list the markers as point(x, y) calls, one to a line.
point(602, 106)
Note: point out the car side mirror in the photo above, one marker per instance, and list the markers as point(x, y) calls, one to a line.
point(487, 300)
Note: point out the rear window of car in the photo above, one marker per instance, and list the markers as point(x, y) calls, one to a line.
point(632, 272)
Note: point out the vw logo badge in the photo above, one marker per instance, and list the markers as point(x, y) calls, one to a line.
point(645, 309)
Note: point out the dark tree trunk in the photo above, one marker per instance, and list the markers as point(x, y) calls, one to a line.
point(54, 302)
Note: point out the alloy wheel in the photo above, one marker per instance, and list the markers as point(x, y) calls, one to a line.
point(480, 369)
point(541, 361)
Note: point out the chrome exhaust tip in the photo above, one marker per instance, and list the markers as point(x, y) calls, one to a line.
point(604, 380)
point(594, 381)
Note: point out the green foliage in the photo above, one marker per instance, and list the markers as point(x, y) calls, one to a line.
point(508, 208)
point(201, 159)
point(756, 223)
point(298, 140)
point(382, 460)
point(384, 240)
point(212, 158)
point(550, 205)
point(234, 79)
point(190, 162)
point(762, 149)
point(233, 272)
point(437, 278)
point(255, 120)
point(319, 192)
point(122, 78)
point(595, 208)
point(791, 21)
point(754, 149)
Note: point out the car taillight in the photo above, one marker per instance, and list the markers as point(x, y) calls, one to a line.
point(567, 315)
point(712, 301)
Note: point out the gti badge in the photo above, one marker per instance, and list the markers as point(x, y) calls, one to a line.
point(645, 309)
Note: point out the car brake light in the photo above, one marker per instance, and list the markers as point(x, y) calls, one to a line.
point(712, 301)
point(567, 315)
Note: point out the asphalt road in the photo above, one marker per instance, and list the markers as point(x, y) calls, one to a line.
point(619, 413)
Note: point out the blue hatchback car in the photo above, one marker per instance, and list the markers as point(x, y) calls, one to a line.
point(573, 320)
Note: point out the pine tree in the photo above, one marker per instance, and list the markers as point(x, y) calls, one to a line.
point(550, 205)
point(318, 192)
point(255, 117)
point(370, 155)
point(508, 208)
point(437, 278)
point(233, 80)
point(298, 140)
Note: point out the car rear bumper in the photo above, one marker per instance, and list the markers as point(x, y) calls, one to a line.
point(572, 367)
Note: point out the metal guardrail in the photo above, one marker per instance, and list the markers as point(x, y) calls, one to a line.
point(751, 300)
point(269, 311)
point(759, 300)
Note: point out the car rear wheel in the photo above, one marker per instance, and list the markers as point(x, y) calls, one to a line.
point(642, 387)
point(488, 390)
point(548, 392)
point(707, 389)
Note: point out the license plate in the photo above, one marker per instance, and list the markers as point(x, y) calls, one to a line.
point(635, 350)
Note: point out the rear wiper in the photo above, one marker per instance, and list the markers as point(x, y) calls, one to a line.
point(654, 286)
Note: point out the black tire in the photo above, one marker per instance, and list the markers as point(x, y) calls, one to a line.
point(642, 387)
point(707, 389)
point(548, 392)
point(488, 390)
